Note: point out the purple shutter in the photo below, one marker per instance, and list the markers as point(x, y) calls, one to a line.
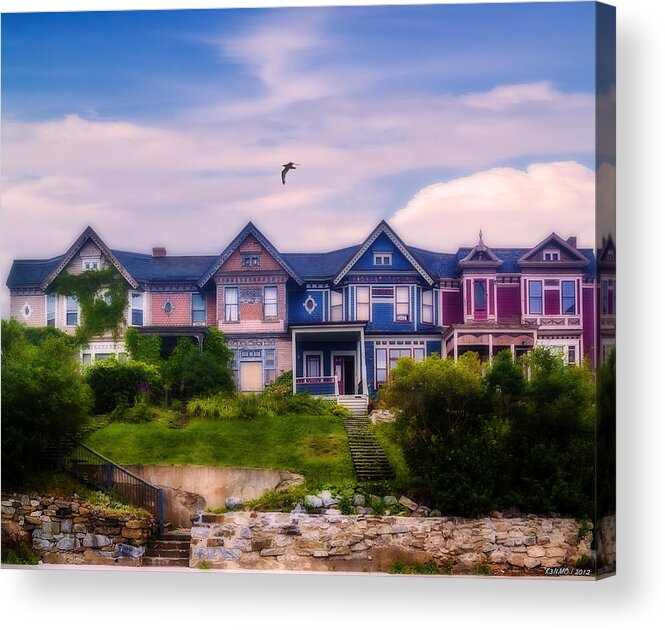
point(491, 291)
point(552, 303)
point(468, 297)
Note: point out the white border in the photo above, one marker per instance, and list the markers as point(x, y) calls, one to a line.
point(632, 598)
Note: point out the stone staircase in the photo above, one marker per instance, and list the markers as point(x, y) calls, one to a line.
point(170, 549)
point(356, 404)
point(369, 459)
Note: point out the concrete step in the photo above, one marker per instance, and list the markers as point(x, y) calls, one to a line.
point(166, 553)
point(166, 563)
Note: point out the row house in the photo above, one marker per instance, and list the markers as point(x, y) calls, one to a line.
point(342, 319)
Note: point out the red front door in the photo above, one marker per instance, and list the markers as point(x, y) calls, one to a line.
point(338, 363)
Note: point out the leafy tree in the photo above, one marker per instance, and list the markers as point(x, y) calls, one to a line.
point(190, 371)
point(43, 395)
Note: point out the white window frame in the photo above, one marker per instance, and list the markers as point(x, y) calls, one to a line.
point(68, 311)
point(575, 297)
point(133, 308)
point(528, 297)
point(397, 315)
point(55, 309)
point(383, 259)
point(305, 357)
point(368, 302)
point(274, 303)
point(227, 305)
point(205, 309)
point(430, 306)
point(554, 255)
point(253, 260)
point(91, 263)
point(340, 306)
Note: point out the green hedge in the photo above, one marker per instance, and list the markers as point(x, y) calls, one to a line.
point(117, 383)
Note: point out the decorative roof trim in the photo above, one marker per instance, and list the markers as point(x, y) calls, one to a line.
point(250, 228)
point(524, 260)
point(89, 234)
point(467, 262)
point(382, 228)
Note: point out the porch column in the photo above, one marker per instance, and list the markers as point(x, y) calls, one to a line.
point(512, 350)
point(491, 347)
point(293, 359)
point(455, 345)
point(363, 363)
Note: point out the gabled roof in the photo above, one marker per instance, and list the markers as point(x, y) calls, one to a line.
point(250, 228)
point(603, 258)
point(480, 256)
point(577, 257)
point(165, 269)
point(87, 235)
point(383, 228)
point(315, 266)
point(31, 273)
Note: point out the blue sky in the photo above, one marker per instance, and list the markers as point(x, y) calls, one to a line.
point(170, 127)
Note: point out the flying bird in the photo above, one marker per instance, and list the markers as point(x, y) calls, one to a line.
point(287, 168)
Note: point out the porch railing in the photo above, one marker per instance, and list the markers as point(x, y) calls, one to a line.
point(317, 385)
point(106, 475)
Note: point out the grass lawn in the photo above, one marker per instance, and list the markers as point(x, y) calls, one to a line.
point(315, 446)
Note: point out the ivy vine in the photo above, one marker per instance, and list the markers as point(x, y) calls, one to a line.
point(102, 298)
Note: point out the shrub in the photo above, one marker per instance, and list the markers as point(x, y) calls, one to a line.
point(116, 382)
point(484, 437)
point(282, 385)
point(43, 396)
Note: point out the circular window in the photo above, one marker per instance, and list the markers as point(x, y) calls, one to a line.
point(26, 311)
point(310, 304)
point(168, 308)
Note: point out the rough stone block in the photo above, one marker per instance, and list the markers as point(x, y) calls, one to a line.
point(531, 563)
point(516, 559)
point(273, 552)
point(535, 552)
point(66, 544)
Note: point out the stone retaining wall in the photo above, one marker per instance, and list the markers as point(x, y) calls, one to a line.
point(65, 531)
point(332, 542)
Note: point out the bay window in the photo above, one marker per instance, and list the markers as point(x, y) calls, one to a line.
point(50, 309)
point(72, 311)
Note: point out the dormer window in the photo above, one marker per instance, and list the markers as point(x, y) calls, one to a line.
point(551, 255)
point(90, 264)
point(383, 259)
point(250, 260)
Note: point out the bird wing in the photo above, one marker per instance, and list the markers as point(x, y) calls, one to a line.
point(286, 168)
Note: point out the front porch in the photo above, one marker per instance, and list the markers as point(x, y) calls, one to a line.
point(488, 339)
point(329, 361)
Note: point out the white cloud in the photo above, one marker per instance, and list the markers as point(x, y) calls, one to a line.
point(511, 206)
point(190, 184)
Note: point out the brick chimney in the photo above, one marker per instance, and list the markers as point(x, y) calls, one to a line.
point(158, 252)
point(572, 240)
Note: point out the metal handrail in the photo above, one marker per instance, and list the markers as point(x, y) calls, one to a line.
point(108, 476)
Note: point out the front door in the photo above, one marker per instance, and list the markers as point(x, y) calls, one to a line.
point(338, 363)
point(251, 376)
point(344, 370)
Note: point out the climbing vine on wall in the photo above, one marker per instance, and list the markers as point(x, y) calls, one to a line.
point(102, 298)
